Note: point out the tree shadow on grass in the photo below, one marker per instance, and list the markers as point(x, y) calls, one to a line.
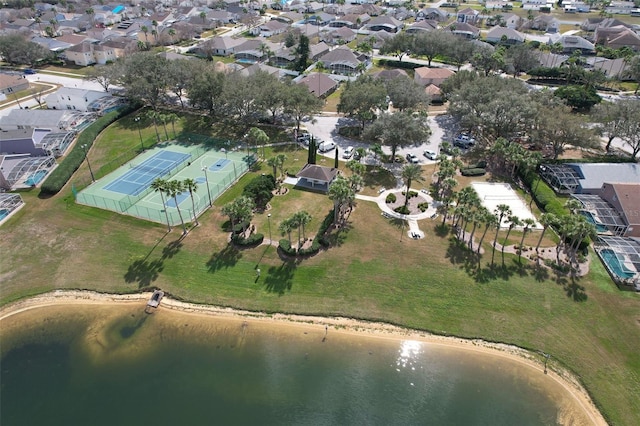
point(144, 272)
point(441, 230)
point(172, 249)
point(459, 254)
point(225, 258)
point(572, 288)
point(280, 279)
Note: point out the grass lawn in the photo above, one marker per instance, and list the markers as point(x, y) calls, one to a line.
point(587, 325)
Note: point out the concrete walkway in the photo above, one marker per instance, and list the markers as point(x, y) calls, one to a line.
point(412, 219)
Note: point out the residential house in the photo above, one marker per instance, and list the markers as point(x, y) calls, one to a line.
point(283, 57)
point(538, 5)
point(103, 54)
point(588, 178)
point(221, 45)
point(620, 7)
point(468, 15)
point(23, 141)
point(504, 35)
point(320, 19)
point(551, 60)
point(12, 83)
point(115, 46)
point(307, 29)
point(432, 14)
point(464, 30)
point(379, 37)
point(254, 50)
point(591, 24)
point(317, 50)
point(617, 37)
point(498, 5)
point(571, 43)
point(421, 26)
point(81, 54)
point(625, 199)
point(257, 67)
point(384, 23)
point(511, 20)
point(319, 84)
point(290, 17)
point(425, 76)
point(390, 74)
point(352, 21)
point(434, 93)
point(610, 67)
point(546, 23)
point(269, 28)
point(44, 119)
point(316, 177)
point(342, 35)
point(341, 60)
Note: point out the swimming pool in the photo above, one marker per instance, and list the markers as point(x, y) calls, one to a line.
point(589, 216)
point(3, 213)
point(35, 178)
point(610, 258)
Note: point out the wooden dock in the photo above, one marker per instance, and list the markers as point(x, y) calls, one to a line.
point(155, 299)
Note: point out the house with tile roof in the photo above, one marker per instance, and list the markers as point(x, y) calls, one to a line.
point(384, 23)
point(425, 76)
point(319, 84)
point(341, 60)
point(511, 36)
point(12, 83)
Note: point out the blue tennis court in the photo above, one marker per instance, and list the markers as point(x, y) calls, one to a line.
point(219, 165)
point(136, 180)
point(171, 202)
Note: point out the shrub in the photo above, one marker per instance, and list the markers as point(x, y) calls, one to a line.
point(423, 206)
point(326, 223)
point(259, 189)
point(350, 131)
point(61, 175)
point(402, 210)
point(411, 194)
point(239, 227)
point(398, 64)
point(313, 249)
point(473, 172)
point(391, 198)
point(252, 240)
point(285, 246)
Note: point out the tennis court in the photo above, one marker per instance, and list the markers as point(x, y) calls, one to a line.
point(492, 194)
point(128, 189)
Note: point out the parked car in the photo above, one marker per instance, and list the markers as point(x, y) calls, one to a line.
point(304, 138)
point(431, 155)
point(356, 155)
point(30, 71)
point(326, 146)
point(464, 141)
point(412, 158)
point(348, 153)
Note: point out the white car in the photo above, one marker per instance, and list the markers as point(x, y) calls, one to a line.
point(326, 146)
point(348, 153)
point(412, 158)
point(431, 155)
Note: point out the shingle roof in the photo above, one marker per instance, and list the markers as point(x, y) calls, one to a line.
point(593, 175)
point(319, 173)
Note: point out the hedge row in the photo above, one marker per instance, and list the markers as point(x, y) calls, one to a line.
point(399, 64)
point(61, 175)
point(544, 196)
point(326, 223)
point(473, 172)
point(252, 240)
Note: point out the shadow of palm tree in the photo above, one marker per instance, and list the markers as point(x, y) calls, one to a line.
point(144, 272)
point(172, 249)
point(441, 230)
point(225, 258)
point(575, 290)
point(280, 279)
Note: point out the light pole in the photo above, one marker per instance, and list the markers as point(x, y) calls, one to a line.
point(269, 225)
point(86, 157)
point(137, 120)
point(206, 178)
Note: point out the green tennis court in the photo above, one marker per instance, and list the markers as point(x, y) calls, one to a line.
point(128, 190)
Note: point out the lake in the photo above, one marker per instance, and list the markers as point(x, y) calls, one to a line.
point(113, 364)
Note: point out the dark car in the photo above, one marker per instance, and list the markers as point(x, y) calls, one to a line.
point(30, 71)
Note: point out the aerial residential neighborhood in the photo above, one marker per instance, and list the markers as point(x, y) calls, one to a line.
point(469, 169)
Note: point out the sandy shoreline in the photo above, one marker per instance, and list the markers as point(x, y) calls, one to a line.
point(334, 324)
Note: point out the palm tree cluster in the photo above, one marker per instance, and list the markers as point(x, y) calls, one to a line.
point(172, 189)
point(239, 211)
point(343, 195)
point(298, 220)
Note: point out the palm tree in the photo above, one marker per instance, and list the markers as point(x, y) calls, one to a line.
point(91, 14)
point(489, 220)
point(341, 193)
point(145, 30)
point(513, 222)
point(500, 212)
point(154, 115)
point(163, 119)
point(410, 173)
point(285, 227)
point(160, 185)
point(171, 33)
point(282, 158)
point(175, 188)
point(192, 186)
point(172, 118)
point(239, 210)
point(546, 220)
point(303, 218)
point(273, 163)
point(528, 223)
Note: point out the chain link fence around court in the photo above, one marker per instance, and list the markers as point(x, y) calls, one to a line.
point(149, 204)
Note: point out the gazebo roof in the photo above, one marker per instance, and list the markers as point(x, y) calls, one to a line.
point(318, 173)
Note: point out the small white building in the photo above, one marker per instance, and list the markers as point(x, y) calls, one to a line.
point(74, 99)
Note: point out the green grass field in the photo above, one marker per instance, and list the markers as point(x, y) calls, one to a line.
point(587, 325)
